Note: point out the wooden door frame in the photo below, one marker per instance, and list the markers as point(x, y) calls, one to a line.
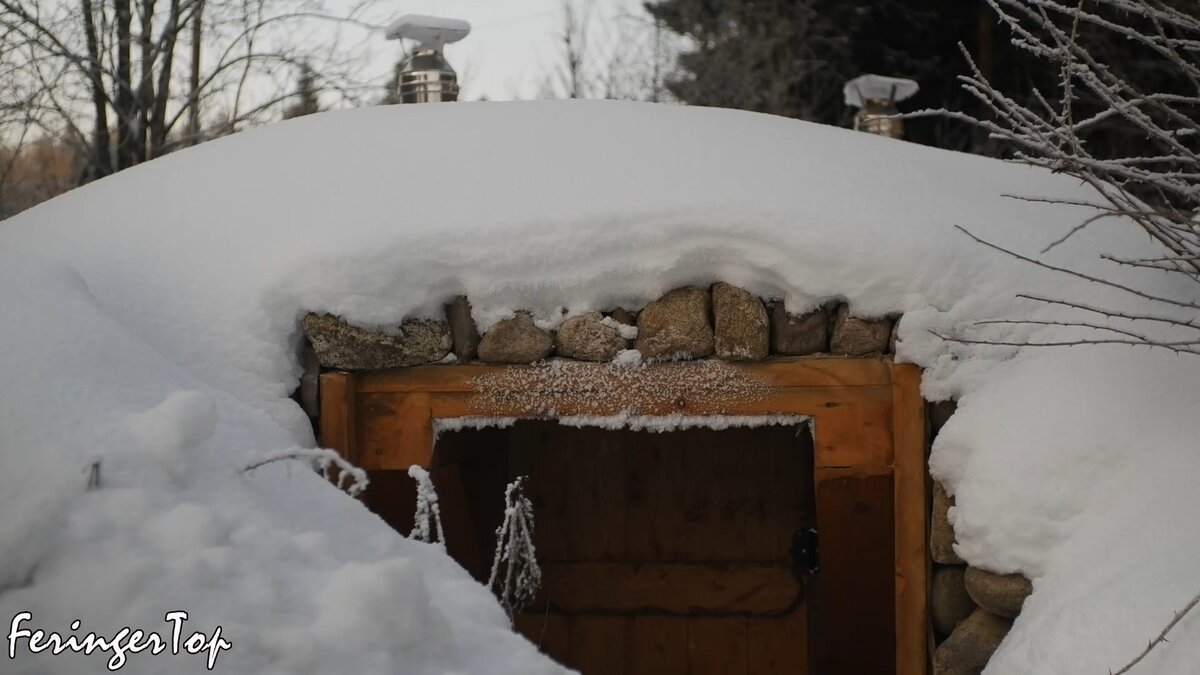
point(868, 421)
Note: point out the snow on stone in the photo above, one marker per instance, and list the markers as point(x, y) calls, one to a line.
point(161, 343)
point(624, 330)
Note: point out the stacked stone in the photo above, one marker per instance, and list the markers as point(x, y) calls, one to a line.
point(686, 323)
point(971, 609)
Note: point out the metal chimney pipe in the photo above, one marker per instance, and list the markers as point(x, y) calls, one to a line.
point(876, 96)
point(426, 77)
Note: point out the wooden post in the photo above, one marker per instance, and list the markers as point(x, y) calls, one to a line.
point(339, 428)
point(911, 509)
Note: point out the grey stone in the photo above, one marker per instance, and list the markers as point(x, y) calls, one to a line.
point(971, 645)
point(853, 336)
point(344, 347)
point(676, 325)
point(941, 532)
point(463, 333)
point(798, 335)
point(587, 338)
point(949, 601)
point(740, 324)
point(1001, 594)
point(515, 340)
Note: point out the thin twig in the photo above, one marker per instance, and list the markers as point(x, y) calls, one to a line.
point(1162, 637)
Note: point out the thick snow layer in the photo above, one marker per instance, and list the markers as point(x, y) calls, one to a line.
point(149, 324)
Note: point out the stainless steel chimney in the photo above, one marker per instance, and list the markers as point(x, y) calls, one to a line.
point(876, 96)
point(426, 77)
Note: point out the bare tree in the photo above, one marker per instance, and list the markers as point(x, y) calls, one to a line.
point(115, 77)
point(625, 56)
point(1153, 96)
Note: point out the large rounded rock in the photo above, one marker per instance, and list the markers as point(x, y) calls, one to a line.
point(853, 336)
point(941, 532)
point(1001, 594)
point(341, 346)
point(971, 645)
point(676, 326)
point(949, 602)
point(515, 340)
point(741, 327)
point(588, 338)
point(798, 335)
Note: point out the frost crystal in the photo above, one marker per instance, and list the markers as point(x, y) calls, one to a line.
point(429, 514)
point(521, 577)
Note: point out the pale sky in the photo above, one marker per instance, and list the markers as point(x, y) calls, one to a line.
point(512, 43)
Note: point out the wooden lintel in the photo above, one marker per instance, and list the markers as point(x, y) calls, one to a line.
point(810, 401)
point(777, 371)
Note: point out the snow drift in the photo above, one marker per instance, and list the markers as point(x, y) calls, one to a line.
point(149, 327)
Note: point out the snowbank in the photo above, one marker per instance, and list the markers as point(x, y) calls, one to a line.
point(150, 324)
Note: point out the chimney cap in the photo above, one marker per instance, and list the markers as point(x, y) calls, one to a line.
point(430, 32)
point(878, 88)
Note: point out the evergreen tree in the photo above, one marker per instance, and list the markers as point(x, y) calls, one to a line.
point(791, 57)
point(308, 97)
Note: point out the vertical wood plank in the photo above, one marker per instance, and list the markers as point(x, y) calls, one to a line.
point(462, 536)
point(586, 522)
point(338, 412)
point(395, 431)
point(596, 492)
point(778, 645)
point(415, 443)
point(658, 645)
point(856, 582)
point(549, 631)
point(714, 507)
point(550, 501)
point(599, 644)
point(642, 495)
point(716, 645)
point(611, 470)
point(670, 511)
point(912, 556)
point(764, 503)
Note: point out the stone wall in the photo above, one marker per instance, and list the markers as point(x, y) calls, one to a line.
point(970, 609)
point(721, 321)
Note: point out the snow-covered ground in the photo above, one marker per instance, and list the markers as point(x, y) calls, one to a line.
point(148, 322)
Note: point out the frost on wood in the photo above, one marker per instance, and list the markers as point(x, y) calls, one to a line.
point(427, 523)
point(443, 425)
point(588, 389)
point(676, 422)
point(348, 478)
point(516, 576)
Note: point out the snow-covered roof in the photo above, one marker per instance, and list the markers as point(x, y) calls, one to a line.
point(149, 322)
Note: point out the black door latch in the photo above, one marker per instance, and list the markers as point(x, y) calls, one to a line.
point(805, 560)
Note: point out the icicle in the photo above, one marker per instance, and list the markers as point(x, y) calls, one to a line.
point(515, 551)
point(427, 524)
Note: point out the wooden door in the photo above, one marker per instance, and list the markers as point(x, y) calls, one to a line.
point(866, 609)
point(661, 552)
